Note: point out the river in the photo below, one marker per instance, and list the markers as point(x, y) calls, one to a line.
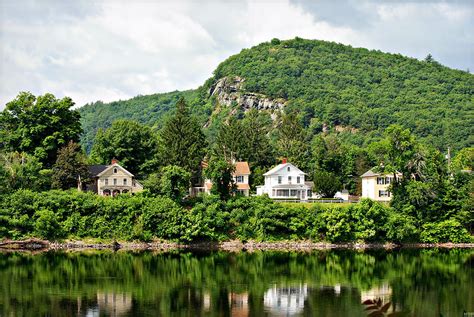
point(410, 282)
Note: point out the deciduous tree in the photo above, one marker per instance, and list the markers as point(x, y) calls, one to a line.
point(39, 125)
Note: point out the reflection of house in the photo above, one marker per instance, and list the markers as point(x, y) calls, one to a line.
point(285, 181)
point(285, 301)
point(383, 292)
point(239, 304)
point(111, 179)
point(241, 178)
point(114, 304)
point(375, 185)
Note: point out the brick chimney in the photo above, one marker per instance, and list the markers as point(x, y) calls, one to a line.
point(114, 161)
point(283, 161)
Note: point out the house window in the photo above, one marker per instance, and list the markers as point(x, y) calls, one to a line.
point(288, 168)
point(106, 181)
point(384, 193)
point(289, 179)
point(283, 192)
point(297, 179)
point(125, 181)
point(293, 192)
point(384, 180)
point(115, 181)
point(279, 179)
point(115, 170)
point(239, 179)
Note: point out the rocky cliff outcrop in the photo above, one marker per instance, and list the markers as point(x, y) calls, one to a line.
point(228, 91)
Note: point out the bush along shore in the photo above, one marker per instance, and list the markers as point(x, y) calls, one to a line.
point(144, 219)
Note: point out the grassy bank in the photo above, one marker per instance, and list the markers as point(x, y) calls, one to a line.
point(58, 215)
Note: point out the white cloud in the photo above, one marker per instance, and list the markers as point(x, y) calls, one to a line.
point(109, 50)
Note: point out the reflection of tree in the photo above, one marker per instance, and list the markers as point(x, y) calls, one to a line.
point(182, 283)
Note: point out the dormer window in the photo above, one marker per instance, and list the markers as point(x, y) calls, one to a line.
point(115, 170)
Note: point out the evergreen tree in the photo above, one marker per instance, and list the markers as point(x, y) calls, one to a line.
point(70, 165)
point(230, 140)
point(292, 141)
point(257, 149)
point(183, 142)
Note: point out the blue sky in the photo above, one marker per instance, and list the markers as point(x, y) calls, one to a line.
point(110, 50)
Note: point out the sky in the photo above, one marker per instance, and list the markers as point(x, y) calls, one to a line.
point(110, 50)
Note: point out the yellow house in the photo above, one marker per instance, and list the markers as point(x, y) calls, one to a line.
point(376, 185)
point(111, 180)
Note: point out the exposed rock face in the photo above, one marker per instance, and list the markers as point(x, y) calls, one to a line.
point(229, 90)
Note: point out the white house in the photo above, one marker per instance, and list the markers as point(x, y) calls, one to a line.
point(376, 185)
point(113, 179)
point(285, 181)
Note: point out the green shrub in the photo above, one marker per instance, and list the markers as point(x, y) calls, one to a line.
point(401, 228)
point(47, 225)
point(369, 218)
point(337, 224)
point(445, 231)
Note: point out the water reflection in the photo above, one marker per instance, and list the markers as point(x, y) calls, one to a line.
point(285, 301)
point(321, 283)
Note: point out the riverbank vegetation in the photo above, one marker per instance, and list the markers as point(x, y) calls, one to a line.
point(70, 214)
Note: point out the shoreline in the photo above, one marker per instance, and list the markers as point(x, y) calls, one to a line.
point(230, 246)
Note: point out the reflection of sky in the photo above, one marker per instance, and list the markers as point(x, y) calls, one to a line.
point(286, 300)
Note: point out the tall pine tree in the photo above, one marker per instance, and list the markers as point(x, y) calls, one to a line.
point(183, 142)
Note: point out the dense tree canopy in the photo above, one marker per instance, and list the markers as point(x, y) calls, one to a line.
point(367, 90)
point(39, 126)
point(150, 110)
point(134, 145)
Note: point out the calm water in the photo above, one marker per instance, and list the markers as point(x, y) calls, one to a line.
point(320, 283)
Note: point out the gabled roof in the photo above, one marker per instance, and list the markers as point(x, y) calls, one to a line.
point(115, 165)
point(94, 170)
point(369, 173)
point(242, 168)
point(281, 166)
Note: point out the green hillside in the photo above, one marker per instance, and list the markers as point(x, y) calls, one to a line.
point(148, 110)
point(364, 89)
point(328, 84)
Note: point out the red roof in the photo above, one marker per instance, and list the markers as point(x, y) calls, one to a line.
point(242, 168)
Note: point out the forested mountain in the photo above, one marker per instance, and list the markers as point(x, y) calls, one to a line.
point(149, 110)
point(332, 86)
